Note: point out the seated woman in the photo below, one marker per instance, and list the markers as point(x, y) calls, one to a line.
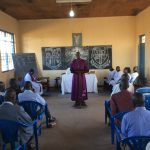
point(38, 88)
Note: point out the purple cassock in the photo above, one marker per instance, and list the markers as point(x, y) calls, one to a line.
point(79, 89)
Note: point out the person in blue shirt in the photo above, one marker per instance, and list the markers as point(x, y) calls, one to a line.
point(136, 122)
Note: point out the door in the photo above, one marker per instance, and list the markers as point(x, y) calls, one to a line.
point(141, 59)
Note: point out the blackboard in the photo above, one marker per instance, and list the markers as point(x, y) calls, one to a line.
point(23, 62)
point(70, 54)
point(100, 57)
point(60, 58)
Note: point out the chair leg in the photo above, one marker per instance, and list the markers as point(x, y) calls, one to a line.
point(112, 130)
point(24, 146)
point(106, 116)
point(39, 130)
point(12, 145)
point(36, 136)
point(117, 143)
point(4, 147)
point(46, 116)
point(105, 113)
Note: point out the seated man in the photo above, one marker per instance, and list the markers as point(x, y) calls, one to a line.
point(117, 75)
point(29, 95)
point(136, 122)
point(14, 85)
point(134, 75)
point(109, 77)
point(10, 111)
point(127, 70)
point(121, 101)
point(116, 88)
point(38, 88)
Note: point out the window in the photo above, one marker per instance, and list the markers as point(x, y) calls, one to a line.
point(7, 48)
point(142, 38)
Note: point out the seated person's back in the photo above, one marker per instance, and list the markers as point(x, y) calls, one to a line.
point(116, 88)
point(136, 122)
point(10, 111)
point(121, 101)
point(30, 95)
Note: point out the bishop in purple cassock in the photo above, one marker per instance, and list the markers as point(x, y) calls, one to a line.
point(79, 90)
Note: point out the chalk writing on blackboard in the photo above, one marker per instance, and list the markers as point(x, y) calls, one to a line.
point(23, 62)
point(53, 58)
point(100, 56)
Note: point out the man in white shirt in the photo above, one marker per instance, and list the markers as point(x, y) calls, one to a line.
point(127, 70)
point(29, 95)
point(110, 75)
point(108, 78)
point(117, 75)
point(134, 75)
point(38, 88)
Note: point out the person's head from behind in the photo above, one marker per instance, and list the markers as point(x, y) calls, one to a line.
point(138, 100)
point(10, 95)
point(135, 69)
point(124, 84)
point(2, 87)
point(125, 76)
point(13, 83)
point(28, 85)
point(78, 54)
point(31, 71)
point(118, 68)
point(127, 70)
point(111, 69)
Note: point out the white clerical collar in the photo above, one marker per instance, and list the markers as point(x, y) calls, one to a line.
point(8, 103)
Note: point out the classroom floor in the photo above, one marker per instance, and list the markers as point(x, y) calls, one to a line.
point(76, 129)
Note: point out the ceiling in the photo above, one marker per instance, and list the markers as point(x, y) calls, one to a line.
point(48, 9)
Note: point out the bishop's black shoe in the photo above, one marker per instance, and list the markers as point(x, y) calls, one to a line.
point(83, 104)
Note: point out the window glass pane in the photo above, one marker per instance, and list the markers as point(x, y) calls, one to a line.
point(143, 39)
point(7, 48)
